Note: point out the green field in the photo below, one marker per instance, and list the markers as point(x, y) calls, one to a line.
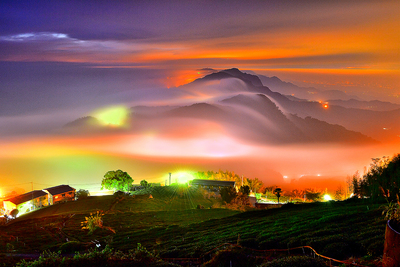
point(170, 224)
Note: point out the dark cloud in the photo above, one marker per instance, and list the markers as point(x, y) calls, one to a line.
point(29, 88)
point(172, 20)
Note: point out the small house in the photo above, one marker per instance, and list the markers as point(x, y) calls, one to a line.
point(60, 193)
point(26, 202)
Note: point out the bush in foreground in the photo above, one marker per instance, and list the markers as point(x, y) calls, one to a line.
point(106, 257)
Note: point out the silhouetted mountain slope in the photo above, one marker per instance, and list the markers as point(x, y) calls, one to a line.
point(253, 79)
point(242, 122)
point(84, 125)
point(258, 115)
point(87, 121)
point(380, 125)
point(266, 108)
point(255, 118)
point(286, 88)
point(231, 73)
point(375, 105)
point(321, 131)
point(199, 110)
point(308, 93)
point(149, 111)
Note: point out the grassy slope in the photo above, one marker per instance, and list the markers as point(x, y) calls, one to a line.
point(169, 224)
point(335, 229)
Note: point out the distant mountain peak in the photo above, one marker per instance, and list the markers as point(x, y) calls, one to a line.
point(232, 73)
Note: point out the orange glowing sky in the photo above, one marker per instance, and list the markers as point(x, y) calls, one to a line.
point(63, 61)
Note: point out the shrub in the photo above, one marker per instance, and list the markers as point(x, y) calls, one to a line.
point(93, 222)
point(46, 259)
point(14, 213)
point(106, 257)
point(82, 193)
point(392, 211)
point(295, 261)
point(228, 193)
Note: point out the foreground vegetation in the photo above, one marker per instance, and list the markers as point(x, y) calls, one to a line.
point(169, 225)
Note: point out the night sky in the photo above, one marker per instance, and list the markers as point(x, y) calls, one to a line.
point(64, 60)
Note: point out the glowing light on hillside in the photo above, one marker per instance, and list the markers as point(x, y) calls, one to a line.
point(327, 197)
point(183, 177)
point(101, 193)
point(115, 116)
point(326, 105)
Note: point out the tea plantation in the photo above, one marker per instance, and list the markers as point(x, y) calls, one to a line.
point(170, 226)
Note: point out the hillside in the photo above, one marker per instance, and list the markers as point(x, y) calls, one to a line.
point(169, 224)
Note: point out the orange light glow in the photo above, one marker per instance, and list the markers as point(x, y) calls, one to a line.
point(181, 77)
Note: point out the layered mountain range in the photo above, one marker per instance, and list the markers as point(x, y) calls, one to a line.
point(265, 110)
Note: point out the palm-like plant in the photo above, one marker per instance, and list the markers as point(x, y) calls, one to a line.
point(392, 211)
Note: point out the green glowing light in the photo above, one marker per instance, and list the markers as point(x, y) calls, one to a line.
point(183, 177)
point(115, 116)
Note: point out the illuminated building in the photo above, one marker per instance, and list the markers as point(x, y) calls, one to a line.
point(39, 198)
point(26, 202)
point(60, 193)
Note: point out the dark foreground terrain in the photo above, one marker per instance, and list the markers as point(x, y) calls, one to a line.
point(169, 226)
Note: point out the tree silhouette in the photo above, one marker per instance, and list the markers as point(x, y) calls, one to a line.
point(245, 190)
point(228, 193)
point(382, 179)
point(278, 192)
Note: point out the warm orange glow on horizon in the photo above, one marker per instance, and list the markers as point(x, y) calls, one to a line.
point(181, 77)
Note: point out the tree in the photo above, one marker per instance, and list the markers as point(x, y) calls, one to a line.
point(349, 186)
point(254, 184)
point(383, 179)
point(245, 190)
point(277, 193)
point(313, 195)
point(117, 180)
point(339, 193)
point(82, 193)
point(144, 183)
point(228, 193)
point(295, 194)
